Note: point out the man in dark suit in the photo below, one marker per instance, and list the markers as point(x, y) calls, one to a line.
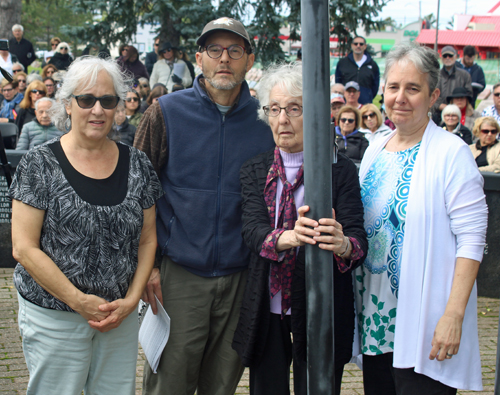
point(21, 47)
point(152, 57)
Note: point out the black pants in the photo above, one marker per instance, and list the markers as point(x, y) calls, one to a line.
point(381, 378)
point(272, 375)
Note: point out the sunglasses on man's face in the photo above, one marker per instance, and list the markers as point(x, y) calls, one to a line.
point(358, 44)
point(448, 55)
point(496, 94)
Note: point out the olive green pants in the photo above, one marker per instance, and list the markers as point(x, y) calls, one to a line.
point(198, 356)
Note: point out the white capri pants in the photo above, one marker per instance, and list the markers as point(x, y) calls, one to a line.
point(65, 355)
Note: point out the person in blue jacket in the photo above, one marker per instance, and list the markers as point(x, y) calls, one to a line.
point(360, 67)
point(476, 72)
point(197, 140)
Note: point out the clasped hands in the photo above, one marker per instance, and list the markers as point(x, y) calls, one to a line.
point(327, 233)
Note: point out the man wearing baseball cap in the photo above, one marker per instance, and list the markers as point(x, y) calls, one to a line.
point(336, 103)
point(352, 94)
point(197, 140)
point(450, 77)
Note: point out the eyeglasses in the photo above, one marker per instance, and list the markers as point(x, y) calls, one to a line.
point(129, 99)
point(66, 48)
point(347, 120)
point(145, 85)
point(489, 131)
point(496, 94)
point(6, 90)
point(38, 92)
point(17, 71)
point(18, 80)
point(358, 44)
point(292, 110)
point(215, 51)
point(88, 101)
point(55, 44)
point(49, 85)
point(371, 115)
point(451, 115)
point(448, 55)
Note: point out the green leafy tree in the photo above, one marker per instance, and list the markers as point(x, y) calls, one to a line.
point(43, 20)
point(181, 21)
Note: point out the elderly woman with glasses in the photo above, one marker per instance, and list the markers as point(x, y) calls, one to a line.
point(350, 141)
point(372, 123)
point(36, 90)
point(62, 59)
point(83, 232)
point(276, 229)
point(486, 150)
point(425, 216)
point(451, 118)
point(170, 69)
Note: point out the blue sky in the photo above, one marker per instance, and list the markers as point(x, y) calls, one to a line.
point(407, 10)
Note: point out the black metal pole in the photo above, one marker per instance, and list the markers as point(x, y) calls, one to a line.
point(318, 193)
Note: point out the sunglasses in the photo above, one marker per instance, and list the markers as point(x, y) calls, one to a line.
point(496, 94)
point(18, 80)
point(17, 71)
point(66, 48)
point(156, 45)
point(88, 101)
point(54, 45)
point(372, 115)
point(358, 44)
point(129, 99)
point(38, 92)
point(489, 131)
point(447, 55)
point(145, 85)
point(347, 120)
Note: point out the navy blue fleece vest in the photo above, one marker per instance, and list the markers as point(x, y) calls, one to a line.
point(199, 218)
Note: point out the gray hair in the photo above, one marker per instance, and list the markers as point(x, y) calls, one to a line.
point(143, 80)
point(495, 86)
point(423, 58)
point(287, 76)
point(18, 64)
point(18, 27)
point(81, 75)
point(451, 109)
point(33, 77)
point(63, 44)
point(44, 99)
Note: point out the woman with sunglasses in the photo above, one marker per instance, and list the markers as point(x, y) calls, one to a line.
point(10, 105)
point(372, 123)
point(164, 70)
point(486, 150)
point(271, 332)
point(83, 231)
point(62, 59)
point(350, 141)
point(21, 78)
point(36, 90)
point(49, 71)
point(132, 107)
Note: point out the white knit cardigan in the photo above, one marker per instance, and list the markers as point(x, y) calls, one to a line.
point(446, 219)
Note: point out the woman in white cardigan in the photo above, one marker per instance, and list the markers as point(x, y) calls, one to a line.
point(169, 69)
point(426, 217)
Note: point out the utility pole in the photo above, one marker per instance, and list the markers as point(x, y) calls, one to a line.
point(318, 140)
point(437, 28)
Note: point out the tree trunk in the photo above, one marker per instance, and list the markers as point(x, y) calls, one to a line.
point(10, 14)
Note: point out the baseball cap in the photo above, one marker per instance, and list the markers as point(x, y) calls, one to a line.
point(448, 50)
point(336, 98)
point(352, 84)
point(224, 24)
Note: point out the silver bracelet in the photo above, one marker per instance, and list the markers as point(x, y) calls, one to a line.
point(346, 249)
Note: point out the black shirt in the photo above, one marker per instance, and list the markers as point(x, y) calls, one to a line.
point(23, 50)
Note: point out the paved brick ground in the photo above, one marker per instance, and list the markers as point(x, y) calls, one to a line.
point(14, 375)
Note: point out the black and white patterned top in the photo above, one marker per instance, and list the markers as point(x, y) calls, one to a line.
point(95, 246)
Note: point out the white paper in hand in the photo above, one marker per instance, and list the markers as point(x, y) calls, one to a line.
point(154, 333)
